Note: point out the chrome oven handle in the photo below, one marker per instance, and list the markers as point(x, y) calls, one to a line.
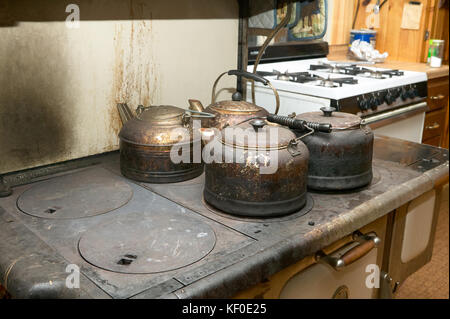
point(366, 244)
point(386, 115)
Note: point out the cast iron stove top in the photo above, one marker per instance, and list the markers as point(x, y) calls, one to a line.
point(139, 240)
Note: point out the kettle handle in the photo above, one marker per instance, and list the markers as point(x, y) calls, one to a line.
point(250, 76)
point(294, 123)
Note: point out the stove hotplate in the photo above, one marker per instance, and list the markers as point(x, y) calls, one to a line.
point(349, 69)
point(84, 194)
point(310, 78)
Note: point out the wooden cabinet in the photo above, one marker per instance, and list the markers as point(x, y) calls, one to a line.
point(435, 131)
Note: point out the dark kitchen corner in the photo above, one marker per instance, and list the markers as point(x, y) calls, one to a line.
point(246, 150)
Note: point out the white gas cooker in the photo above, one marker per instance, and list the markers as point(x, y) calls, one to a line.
point(392, 101)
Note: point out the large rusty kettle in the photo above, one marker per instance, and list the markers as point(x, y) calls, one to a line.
point(229, 113)
point(147, 139)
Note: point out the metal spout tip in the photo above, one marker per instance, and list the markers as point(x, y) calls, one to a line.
point(124, 112)
point(196, 105)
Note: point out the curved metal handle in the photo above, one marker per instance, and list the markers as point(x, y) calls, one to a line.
point(250, 76)
point(437, 97)
point(433, 127)
point(366, 244)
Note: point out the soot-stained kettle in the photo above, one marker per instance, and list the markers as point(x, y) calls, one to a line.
point(229, 113)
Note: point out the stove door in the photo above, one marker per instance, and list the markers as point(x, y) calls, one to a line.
point(409, 129)
point(310, 279)
point(321, 281)
point(414, 226)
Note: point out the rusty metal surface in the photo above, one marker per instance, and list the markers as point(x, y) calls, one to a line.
point(146, 142)
point(86, 193)
point(153, 164)
point(340, 160)
point(241, 189)
point(147, 243)
point(246, 251)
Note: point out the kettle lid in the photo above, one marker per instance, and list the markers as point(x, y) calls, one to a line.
point(338, 120)
point(160, 114)
point(257, 134)
point(236, 106)
point(156, 125)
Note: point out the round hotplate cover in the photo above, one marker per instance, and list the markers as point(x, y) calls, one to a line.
point(86, 193)
point(143, 243)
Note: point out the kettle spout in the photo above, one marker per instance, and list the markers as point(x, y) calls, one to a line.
point(124, 112)
point(196, 105)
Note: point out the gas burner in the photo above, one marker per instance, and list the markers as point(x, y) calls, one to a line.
point(328, 83)
point(282, 76)
point(380, 74)
point(325, 82)
point(333, 68)
point(350, 69)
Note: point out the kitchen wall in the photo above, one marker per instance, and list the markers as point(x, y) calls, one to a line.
point(401, 44)
point(59, 86)
point(340, 18)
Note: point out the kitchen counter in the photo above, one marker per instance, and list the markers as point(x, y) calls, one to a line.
point(339, 54)
point(34, 252)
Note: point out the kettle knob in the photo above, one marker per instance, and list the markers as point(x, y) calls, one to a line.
point(257, 124)
point(327, 111)
point(237, 96)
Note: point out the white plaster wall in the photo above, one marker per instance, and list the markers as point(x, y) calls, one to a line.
point(59, 87)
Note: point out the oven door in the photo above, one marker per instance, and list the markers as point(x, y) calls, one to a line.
point(405, 123)
point(324, 280)
point(324, 276)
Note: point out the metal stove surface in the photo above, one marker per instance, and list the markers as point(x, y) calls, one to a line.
point(143, 244)
point(24, 237)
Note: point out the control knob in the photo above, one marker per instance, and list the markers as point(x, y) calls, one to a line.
point(363, 104)
point(405, 94)
point(389, 98)
point(413, 92)
point(374, 102)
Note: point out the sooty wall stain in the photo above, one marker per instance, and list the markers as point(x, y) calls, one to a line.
point(34, 122)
